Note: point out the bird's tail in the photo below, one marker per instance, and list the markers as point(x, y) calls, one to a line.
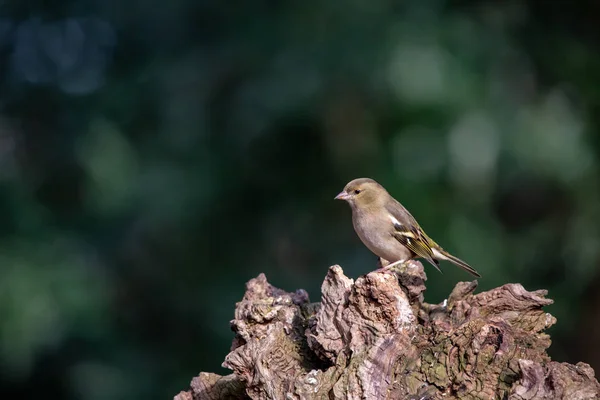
point(444, 255)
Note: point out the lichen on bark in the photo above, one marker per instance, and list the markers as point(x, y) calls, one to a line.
point(375, 338)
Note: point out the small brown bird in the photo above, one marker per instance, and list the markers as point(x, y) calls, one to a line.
point(388, 229)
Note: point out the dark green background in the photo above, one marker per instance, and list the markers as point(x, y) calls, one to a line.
point(154, 156)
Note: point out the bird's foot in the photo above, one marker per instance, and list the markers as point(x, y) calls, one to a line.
point(389, 265)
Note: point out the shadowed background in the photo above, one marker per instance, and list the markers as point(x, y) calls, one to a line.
point(154, 156)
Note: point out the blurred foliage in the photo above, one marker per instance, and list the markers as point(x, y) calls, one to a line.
point(156, 155)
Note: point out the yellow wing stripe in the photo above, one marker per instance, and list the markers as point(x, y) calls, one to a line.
point(419, 244)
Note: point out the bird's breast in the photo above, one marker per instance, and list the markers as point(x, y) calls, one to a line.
point(376, 234)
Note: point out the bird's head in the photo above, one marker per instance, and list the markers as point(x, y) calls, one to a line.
point(363, 192)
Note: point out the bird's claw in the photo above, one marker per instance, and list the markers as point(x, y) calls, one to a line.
point(391, 265)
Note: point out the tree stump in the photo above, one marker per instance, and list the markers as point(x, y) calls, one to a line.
point(375, 338)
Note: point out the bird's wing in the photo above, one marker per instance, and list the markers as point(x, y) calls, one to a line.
point(408, 232)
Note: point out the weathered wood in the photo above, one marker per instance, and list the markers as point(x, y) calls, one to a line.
point(375, 338)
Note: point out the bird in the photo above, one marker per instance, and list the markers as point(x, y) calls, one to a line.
point(389, 230)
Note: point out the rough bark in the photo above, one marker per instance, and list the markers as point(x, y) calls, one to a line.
point(375, 338)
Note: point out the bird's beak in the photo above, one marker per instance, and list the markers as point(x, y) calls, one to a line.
point(342, 196)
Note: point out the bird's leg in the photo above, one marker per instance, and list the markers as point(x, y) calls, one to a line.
point(392, 265)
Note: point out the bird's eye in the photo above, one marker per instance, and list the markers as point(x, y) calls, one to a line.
point(357, 191)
